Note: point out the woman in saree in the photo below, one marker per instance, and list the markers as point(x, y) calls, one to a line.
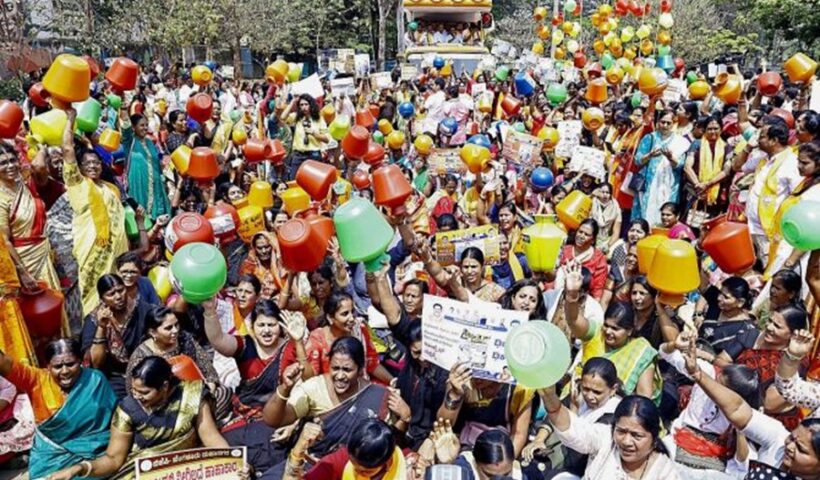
point(670, 220)
point(583, 251)
point(633, 356)
point(113, 330)
point(265, 263)
point(340, 398)
point(99, 218)
point(160, 415)
point(660, 169)
point(762, 350)
point(22, 224)
point(72, 407)
point(707, 169)
point(606, 212)
point(167, 340)
point(14, 336)
point(145, 180)
point(467, 281)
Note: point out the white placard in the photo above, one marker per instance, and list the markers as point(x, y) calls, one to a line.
point(409, 72)
point(814, 102)
point(310, 85)
point(675, 90)
point(478, 88)
point(589, 160)
point(473, 333)
point(343, 86)
point(569, 133)
point(381, 80)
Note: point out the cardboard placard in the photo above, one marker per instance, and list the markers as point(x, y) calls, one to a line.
point(569, 132)
point(310, 85)
point(449, 245)
point(409, 72)
point(380, 81)
point(203, 463)
point(473, 333)
point(522, 149)
point(343, 86)
point(446, 160)
point(589, 160)
point(676, 90)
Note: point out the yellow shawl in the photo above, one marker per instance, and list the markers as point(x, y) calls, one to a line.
point(710, 166)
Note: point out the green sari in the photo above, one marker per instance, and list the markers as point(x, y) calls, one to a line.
point(144, 173)
point(78, 431)
point(168, 428)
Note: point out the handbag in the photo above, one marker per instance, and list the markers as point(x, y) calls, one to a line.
point(636, 182)
point(696, 218)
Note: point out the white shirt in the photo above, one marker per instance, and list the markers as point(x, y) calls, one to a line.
point(788, 177)
point(596, 441)
point(185, 93)
point(770, 435)
point(435, 111)
point(701, 413)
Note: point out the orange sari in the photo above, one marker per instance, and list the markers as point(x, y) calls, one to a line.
point(14, 337)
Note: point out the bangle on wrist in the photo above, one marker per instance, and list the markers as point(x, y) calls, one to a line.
point(451, 403)
point(282, 397)
point(791, 357)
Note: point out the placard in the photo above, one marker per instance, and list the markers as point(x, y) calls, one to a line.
point(381, 80)
point(361, 64)
point(675, 90)
point(473, 333)
point(814, 101)
point(478, 88)
point(447, 160)
point(522, 149)
point(450, 245)
point(200, 463)
point(310, 85)
point(343, 86)
point(589, 160)
point(409, 72)
point(569, 132)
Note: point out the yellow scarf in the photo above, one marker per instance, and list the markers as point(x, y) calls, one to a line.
point(710, 166)
point(239, 322)
point(397, 470)
point(766, 207)
point(99, 212)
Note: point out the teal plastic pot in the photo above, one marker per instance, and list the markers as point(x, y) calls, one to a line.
point(198, 272)
point(537, 353)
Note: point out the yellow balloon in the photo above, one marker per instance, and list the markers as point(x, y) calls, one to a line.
point(539, 14)
point(560, 54)
point(423, 144)
point(664, 37)
point(566, 27)
point(630, 54)
point(239, 135)
point(596, 20)
point(605, 10)
point(576, 30)
point(599, 46)
point(627, 34)
point(385, 126)
point(395, 139)
point(643, 32)
point(608, 38)
point(543, 32)
point(557, 37)
point(647, 46)
point(538, 48)
point(446, 70)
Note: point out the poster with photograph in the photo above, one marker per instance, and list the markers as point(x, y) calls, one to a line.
point(522, 149)
point(201, 463)
point(569, 132)
point(381, 81)
point(449, 245)
point(473, 333)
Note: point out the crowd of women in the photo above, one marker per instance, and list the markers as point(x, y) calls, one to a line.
point(321, 375)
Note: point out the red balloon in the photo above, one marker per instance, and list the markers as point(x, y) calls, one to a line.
point(577, 10)
point(579, 59)
point(666, 6)
point(558, 19)
point(679, 64)
point(622, 5)
point(635, 8)
point(647, 8)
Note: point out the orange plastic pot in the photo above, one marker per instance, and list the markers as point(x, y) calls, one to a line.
point(201, 75)
point(729, 244)
point(188, 228)
point(511, 105)
point(374, 110)
point(365, 118)
point(647, 247)
point(593, 118)
point(574, 209)
point(200, 107)
point(319, 223)
point(374, 155)
point(652, 81)
point(303, 248)
point(224, 220)
point(277, 151)
point(256, 150)
point(596, 91)
point(769, 83)
point(316, 178)
point(729, 88)
point(785, 115)
point(123, 74)
point(184, 368)
point(203, 166)
point(38, 95)
point(67, 80)
point(93, 67)
point(110, 140)
point(800, 68)
point(356, 142)
point(391, 188)
point(42, 311)
point(698, 90)
point(11, 117)
point(361, 179)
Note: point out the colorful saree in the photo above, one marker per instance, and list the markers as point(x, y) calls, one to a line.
point(24, 214)
point(78, 431)
point(145, 180)
point(14, 337)
point(168, 428)
point(98, 229)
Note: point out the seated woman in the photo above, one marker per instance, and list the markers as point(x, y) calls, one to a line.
point(631, 448)
point(727, 314)
point(473, 406)
point(701, 437)
point(762, 351)
point(670, 219)
point(340, 398)
point(782, 454)
point(595, 398)
point(258, 354)
point(160, 415)
point(113, 330)
point(634, 357)
point(584, 251)
point(130, 268)
point(492, 456)
point(339, 310)
point(465, 283)
point(16, 422)
point(72, 407)
point(265, 263)
point(167, 340)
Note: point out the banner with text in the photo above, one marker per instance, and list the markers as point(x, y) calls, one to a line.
point(450, 245)
point(199, 463)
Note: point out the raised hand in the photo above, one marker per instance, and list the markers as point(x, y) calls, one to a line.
point(458, 382)
point(800, 344)
point(295, 325)
point(573, 279)
point(445, 441)
point(691, 357)
point(291, 375)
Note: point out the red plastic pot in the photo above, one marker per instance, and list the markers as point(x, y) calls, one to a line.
point(123, 74)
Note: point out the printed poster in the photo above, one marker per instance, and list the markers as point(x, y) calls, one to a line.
point(381, 80)
point(522, 149)
point(409, 72)
point(569, 132)
point(199, 463)
point(589, 160)
point(343, 86)
point(676, 90)
point(474, 333)
point(446, 160)
point(449, 245)
point(310, 85)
